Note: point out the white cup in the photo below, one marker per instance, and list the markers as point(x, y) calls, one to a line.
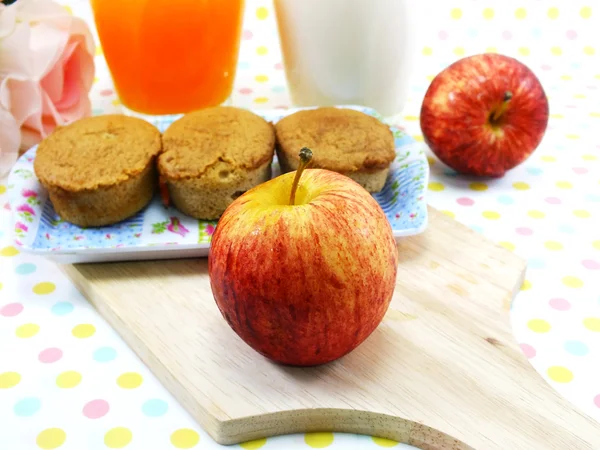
point(338, 52)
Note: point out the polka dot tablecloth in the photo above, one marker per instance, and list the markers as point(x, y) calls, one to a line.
point(68, 381)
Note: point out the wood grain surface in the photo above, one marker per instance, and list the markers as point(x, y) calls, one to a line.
point(441, 372)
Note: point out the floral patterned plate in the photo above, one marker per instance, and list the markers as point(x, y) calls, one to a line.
point(159, 233)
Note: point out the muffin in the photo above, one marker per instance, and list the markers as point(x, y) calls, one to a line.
point(342, 140)
point(99, 170)
point(212, 156)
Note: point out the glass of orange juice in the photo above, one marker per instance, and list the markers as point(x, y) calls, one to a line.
point(170, 56)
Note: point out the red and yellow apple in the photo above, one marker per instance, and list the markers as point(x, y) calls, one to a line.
point(304, 277)
point(484, 114)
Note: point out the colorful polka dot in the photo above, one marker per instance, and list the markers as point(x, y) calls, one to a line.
point(129, 380)
point(184, 438)
point(95, 409)
point(382, 442)
point(488, 13)
point(262, 13)
point(261, 78)
point(44, 288)
point(480, 187)
point(564, 185)
point(556, 51)
point(436, 186)
point(25, 269)
point(51, 438)
point(524, 51)
point(491, 215)
point(552, 200)
point(528, 350)
point(11, 309)
point(456, 13)
point(62, 308)
point(592, 323)
point(50, 355)
point(27, 330)
point(262, 50)
point(520, 13)
point(68, 379)
point(27, 407)
point(597, 400)
point(458, 51)
point(83, 330)
point(585, 12)
point(526, 285)
point(9, 379)
point(596, 245)
point(521, 186)
point(534, 171)
point(591, 264)
point(117, 437)
point(505, 200)
point(560, 374)
point(524, 231)
point(560, 304)
point(582, 214)
point(254, 445)
point(2, 189)
point(538, 326)
point(9, 251)
point(576, 348)
point(536, 263)
point(105, 354)
point(155, 407)
point(534, 214)
point(465, 201)
point(261, 100)
point(553, 245)
point(553, 13)
point(427, 51)
point(507, 245)
point(318, 440)
point(572, 282)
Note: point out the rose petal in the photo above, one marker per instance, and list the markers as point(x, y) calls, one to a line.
point(43, 11)
point(80, 28)
point(14, 52)
point(29, 138)
point(46, 47)
point(9, 141)
point(24, 100)
point(8, 19)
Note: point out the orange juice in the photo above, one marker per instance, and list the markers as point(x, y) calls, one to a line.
point(170, 56)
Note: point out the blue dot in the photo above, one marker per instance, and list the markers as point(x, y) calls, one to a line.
point(537, 32)
point(534, 171)
point(472, 32)
point(278, 89)
point(27, 407)
point(576, 348)
point(62, 308)
point(592, 198)
point(1, 233)
point(244, 65)
point(25, 268)
point(505, 200)
point(536, 263)
point(105, 354)
point(566, 228)
point(559, 147)
point(155, 407)
point(575, 65)
point(477, 228)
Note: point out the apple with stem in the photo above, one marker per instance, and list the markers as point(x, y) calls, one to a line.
point(303, 271)
point(484, 114)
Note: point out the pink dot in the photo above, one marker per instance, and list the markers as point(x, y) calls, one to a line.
point(50, 355)
point(553, 200)
point(281, 107)
point(571, 34)
point(559, 304)
point(11, 309)
point(443, 35)
point(546, 67)
point(524, 231)
point(247, 35)
point(465, 201)
point(528, 350)
point(591, 87)
point(580, 170)
point(95, 409)
point(590, 264)
point(279, 66)
point(571, 106)
point(106, 92)
point(507, 35)
point(245, 91)
point(597, 400)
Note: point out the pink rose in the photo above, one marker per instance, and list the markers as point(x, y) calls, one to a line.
point(46, 73)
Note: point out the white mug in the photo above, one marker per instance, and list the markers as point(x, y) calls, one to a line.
point(338, 52)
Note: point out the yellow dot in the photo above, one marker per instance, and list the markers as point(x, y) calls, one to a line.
point(586, 12)
point(456, 13)
point(582, 214)
point(526, 285)
point(427, 51)
point(418, 137)
point(478, 186)
point(184, 438)
point(564, 185)
point(448, 213)
point(589, 50)
point(27, 330)
point(318, 440)
point(253, 445)
point(51, 438)
point(83, 330)
point(115, 102)
point(560, 374)
point(597, 76)
point(261, 100)
point(411, 118)
point(553, 13)
point(553, 245)
point(491, 215)
point(538, 326)
point(488, 13)
point(68, 9)
point(592, 323)
point(430, 77)
point(262, 50)
point(572, 282)
point(548, 158)
point(491, 50)
point(117, 437)
point(566, 77)
point(431, 160)
point(459, 51)
point(534, 214)
point(596, 245)
point(96, 79)
point(520, 13)
point(580, 96)
point(382, 442)
point(556, 51)
point(68, 379)
point(261, 78)
point(436, 186)
point(129, 380)
point(524, 51)
point(595, 114)
point(557, 116)
point(9, 379)
point(507, 245)
point(262, 13)
point(2, 189)
point(99, 51)
point(9, 251)
point(573, 136)
point(43, 288)
point(521, 186)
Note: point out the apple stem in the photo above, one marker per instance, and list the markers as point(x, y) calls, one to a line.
point(305, 158)
point(502, 109)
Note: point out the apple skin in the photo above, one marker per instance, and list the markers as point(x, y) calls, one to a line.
point(304, 285)
point(458, 105)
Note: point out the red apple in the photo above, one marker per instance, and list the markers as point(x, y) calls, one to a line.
point(303, 281)
point(484, 114)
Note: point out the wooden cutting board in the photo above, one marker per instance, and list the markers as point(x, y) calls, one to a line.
point(441, 372)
